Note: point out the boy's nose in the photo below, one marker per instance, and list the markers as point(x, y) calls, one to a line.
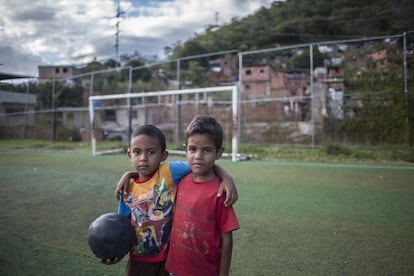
point(198, 154)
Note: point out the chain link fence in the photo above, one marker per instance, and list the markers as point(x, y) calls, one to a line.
point(356, 92)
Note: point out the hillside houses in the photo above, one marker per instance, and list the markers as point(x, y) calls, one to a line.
point(222, 71)
point(288, 90)
point(50, 72)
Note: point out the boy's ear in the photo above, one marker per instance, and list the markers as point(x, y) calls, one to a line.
point(220, 152)
point(164, 155)
point(129, 153)
point(185, 147)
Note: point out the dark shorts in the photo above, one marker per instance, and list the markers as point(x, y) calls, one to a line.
point(146, 269)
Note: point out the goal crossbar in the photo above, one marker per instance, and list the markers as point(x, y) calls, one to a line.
point(235, 105)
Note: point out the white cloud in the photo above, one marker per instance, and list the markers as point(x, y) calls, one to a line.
point(42, 32)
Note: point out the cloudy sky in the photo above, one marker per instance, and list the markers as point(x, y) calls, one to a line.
point(65, 32)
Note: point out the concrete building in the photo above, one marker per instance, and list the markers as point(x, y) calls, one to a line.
point(47, 73)
point(222, 71)
point(14, 108)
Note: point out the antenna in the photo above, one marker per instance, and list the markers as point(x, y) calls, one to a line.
point(118, 15)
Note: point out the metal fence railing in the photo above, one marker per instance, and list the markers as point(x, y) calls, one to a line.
point(357, 91)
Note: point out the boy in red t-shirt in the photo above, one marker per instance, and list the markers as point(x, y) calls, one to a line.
point(201, 238)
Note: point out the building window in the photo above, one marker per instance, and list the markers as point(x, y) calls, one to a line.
point(57, 70)
point(261, 71)
point(65, 70)
point(13, 108)
point(110, 115)
point(248, 72)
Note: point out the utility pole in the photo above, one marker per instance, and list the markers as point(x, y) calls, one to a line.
point(118, 15)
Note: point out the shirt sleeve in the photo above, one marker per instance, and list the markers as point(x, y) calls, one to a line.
point(122, 208)
point(226, 217)
point(179, 169)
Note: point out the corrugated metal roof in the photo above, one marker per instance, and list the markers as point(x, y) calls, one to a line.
point(21, 98)
point(9, 76)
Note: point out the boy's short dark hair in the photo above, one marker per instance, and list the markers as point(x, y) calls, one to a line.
point(152, 131)
point(206, 125)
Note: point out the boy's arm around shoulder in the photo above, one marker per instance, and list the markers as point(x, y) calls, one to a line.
point(179, 169)
point(227, 185)
point(122, 186)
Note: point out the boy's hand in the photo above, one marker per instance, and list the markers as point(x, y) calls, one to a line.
point(231, 193)
point(114, 260)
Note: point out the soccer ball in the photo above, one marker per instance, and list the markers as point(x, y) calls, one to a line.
point(111, 235)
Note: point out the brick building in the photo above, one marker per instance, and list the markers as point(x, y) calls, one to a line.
point(222, 71)
point(47, 73)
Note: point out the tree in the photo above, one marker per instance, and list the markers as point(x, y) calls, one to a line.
point(93, 66)
point(302, 60)
point(111, 63)
point(140, 71)
point(195, 74)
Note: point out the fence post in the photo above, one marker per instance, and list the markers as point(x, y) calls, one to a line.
point(178, 102)
point(406, 85)
point(312, 93)
point(129, 106)
point(53, 108)
point(239, 98)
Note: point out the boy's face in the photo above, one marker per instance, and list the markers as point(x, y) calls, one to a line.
point(146, 155)
point(201, 154)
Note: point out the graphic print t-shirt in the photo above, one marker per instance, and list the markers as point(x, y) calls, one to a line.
point(150, 207)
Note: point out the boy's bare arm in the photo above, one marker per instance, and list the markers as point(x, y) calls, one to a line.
point(227, 185)
point(226, 251)
point(122, 186)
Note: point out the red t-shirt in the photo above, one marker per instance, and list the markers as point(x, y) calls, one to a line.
point(199, 218)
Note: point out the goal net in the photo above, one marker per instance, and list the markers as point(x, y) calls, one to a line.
point(114, 116)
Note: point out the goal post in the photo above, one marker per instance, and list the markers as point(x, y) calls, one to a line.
point(216, 101)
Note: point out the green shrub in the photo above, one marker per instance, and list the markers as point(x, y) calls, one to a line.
point(338, 150)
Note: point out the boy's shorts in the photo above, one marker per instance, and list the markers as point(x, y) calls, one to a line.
point(146, 269)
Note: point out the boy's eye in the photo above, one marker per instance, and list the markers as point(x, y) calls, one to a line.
point(136, 152)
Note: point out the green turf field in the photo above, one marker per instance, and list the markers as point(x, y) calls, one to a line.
point(296, 218)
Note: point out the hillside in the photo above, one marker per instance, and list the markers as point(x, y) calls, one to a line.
point(303, 21)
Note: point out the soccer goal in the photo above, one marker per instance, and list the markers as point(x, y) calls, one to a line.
point(114, 116)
